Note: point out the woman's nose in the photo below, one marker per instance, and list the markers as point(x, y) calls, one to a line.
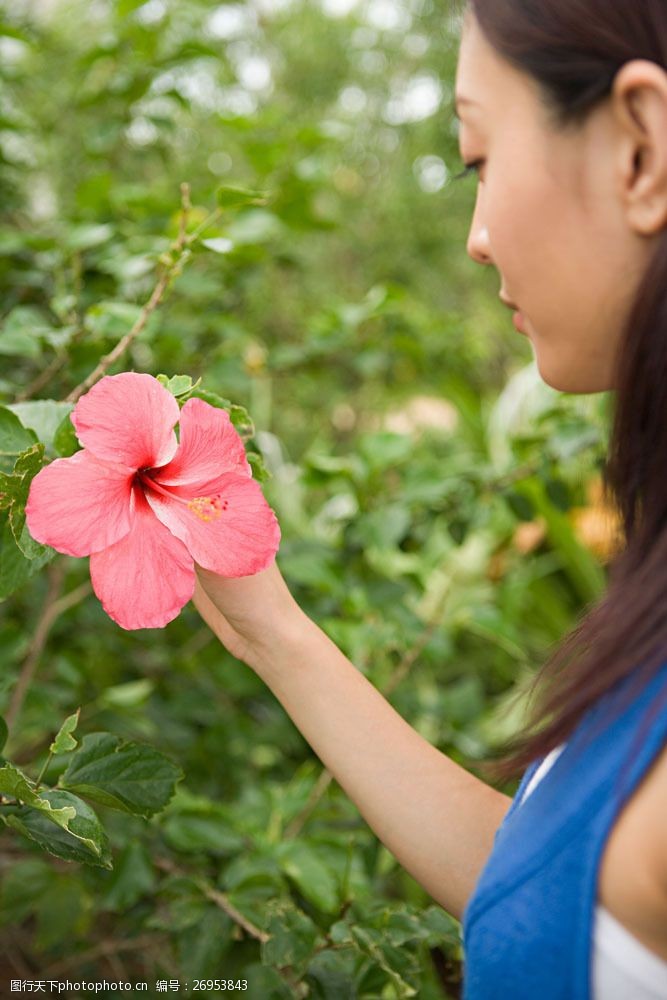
point(478, 246)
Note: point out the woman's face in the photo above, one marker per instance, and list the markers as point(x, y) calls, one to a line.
point(549, 217)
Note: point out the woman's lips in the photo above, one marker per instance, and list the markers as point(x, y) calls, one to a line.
point(519, 323)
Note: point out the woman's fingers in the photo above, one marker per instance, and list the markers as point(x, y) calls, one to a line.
point(252, 615)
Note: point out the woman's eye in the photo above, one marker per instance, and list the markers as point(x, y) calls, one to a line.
point(469, 168)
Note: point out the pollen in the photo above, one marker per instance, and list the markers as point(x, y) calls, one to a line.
point(208, 508)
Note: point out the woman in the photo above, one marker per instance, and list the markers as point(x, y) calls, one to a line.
point(563, 892)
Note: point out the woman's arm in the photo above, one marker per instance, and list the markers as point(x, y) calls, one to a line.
point(435, 817)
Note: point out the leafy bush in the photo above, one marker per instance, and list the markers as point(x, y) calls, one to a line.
point(246, 196)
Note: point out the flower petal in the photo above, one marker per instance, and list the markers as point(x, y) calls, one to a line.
point(234, 533)
point(145, 579)
point(209, 448)
point(128, 419)
point(79, 505)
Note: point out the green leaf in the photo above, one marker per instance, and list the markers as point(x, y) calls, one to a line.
point(258, 869)
point(125, 7)
point(133, 878)
point(259, 469)
point(293, 936)
point(81, 838)
point(15, 569)
point(229, 197)
point(28, 464)
point(178, 385)
point(586, 574)
point(202, 946)
point(254, 227)
point(202, 834)
point(388, 958)
point(4, 732)
point(131, 694)
point(212, 399)
point(218, 244)
point(43, 416)
point(86, 237)
point(10, 31)
point(333, 973)
point(64, 741)
point(22, 887)
point(14, 490)
point(132, 777)
point(311, 875)
point(65, 441)
point(114, 319)
point(17, 487)
point(17, 784)
point(521, 506)
point(238, 415)
point(14, 439)
point(559, 493)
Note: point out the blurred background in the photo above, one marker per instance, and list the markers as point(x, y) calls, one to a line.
point(440, 506)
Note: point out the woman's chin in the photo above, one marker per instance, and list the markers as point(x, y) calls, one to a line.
point(571, 378)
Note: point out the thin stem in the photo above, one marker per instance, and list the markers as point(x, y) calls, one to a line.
point(124, 342)
point(216, 897)
point(213, 217)
point(43, 771)
point(171, 269)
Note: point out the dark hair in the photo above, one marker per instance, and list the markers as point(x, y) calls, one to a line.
point(573, 49)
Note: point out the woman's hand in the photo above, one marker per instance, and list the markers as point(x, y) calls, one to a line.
point(249, 614)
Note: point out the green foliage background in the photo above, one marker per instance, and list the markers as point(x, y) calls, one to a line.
point(436, 499)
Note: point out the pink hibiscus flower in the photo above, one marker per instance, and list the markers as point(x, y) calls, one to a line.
point(145, 507)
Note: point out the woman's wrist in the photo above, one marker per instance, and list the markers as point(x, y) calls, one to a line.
point(255, 617)
point(280, 647)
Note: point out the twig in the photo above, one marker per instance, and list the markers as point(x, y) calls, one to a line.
point(53, 607)
point(298, 989)
point(219, 898)
point(170, 270)
point(124, 342)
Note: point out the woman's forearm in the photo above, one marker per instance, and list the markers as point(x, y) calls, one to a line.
point(436, 818)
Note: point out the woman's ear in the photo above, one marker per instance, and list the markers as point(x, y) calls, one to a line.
point(639, 105)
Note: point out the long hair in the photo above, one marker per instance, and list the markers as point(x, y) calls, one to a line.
point(573, 49)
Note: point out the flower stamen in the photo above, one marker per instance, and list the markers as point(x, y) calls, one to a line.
point(207, 508)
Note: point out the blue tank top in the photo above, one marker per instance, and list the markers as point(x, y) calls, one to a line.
point(527, 928)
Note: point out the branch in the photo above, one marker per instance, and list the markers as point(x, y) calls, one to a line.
point(216, 897)
point(172, 267)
